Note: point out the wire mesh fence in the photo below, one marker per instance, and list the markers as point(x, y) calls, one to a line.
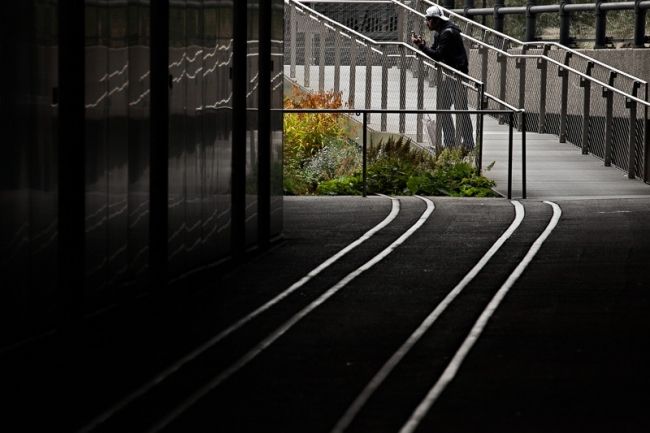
point(601, 110)
point(324, 55)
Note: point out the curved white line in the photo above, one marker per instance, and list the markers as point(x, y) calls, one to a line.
point(385, 370)
point(451, 370)
point(271, 338)
point(395, 208)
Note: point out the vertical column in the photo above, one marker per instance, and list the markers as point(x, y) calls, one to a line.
point(420, 99)
point(609, 125)
point(384, 92)
point(632, 106)
point(521, 65)
point(308, 56)
point(586, 104)
point(71, 159)
point(565, 23)
point(639, 25)
point(563, 73)
point(368, 79)
point(402, 89)
point(601, 26)
point(353, 72)
point(498, 18)
point(321, 58)
point(238, 158)
point(337, 61)
point(293, 42)
point(542, 65)
point(264, 121)
point(531, 21)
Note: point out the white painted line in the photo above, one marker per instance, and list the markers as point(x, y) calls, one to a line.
point(271, 338)
point(395, 208)
point(395, 359)
point(451, 370)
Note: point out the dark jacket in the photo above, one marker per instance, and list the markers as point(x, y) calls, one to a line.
point(448, 48)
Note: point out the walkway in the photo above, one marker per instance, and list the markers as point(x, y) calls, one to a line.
point(553, 169)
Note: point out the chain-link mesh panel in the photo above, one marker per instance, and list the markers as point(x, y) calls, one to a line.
point(323, 56)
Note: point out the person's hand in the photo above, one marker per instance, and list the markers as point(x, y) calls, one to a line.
point(417, 40)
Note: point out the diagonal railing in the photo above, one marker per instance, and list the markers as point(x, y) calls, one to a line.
point(600, 109)
point(375, 75)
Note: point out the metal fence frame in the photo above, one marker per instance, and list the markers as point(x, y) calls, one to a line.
point(408, 57)
point(510, 113)
point(630, 97)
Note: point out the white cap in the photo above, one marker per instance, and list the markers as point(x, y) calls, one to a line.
point(436, 12)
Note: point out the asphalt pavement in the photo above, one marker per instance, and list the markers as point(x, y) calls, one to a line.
point(383, 314)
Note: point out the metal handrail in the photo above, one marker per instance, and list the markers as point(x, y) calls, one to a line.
point(365, 112)
point(370, 41)
point(535, 43)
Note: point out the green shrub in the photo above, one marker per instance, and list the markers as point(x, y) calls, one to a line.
point(337, 158)
point(346, 185)
point(320, 159)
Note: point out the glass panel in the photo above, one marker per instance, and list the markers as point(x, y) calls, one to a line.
point(97, 151)
point(28, 167)
point(252, 99)
point(177, 135)
point(277, 94)
point(138, 130)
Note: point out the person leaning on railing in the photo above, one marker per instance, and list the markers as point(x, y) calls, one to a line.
point(448, 48)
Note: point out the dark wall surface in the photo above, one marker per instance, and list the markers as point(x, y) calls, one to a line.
point(111, 143)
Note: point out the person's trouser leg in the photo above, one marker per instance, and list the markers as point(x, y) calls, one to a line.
point(463, 121)
point(445, 100)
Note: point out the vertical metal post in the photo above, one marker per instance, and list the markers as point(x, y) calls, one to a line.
point(523, 154)
point(521, 65)
point(457, 88)
point(632, 106)
point(502, 60)
point(646, 138)
point(565, 23)
point(420, 99)
point(479, 129)
point(483, 51)
point(292, 29)
point(510, 131)
point(365, 153)
point(439, 100)
point(498, 18)
point(563, 73)
point(469, 4)
point(369, 79)
point(586, 104)
point(402, 89)
point(384, 93)
point(264, 121)
point(601, 26)
point(353, 72)
point(337, 61)
point(609, 125)
point(309, 52)
point(542, 65)
point(531, 21)
point(321, 59)
point(639, 25)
